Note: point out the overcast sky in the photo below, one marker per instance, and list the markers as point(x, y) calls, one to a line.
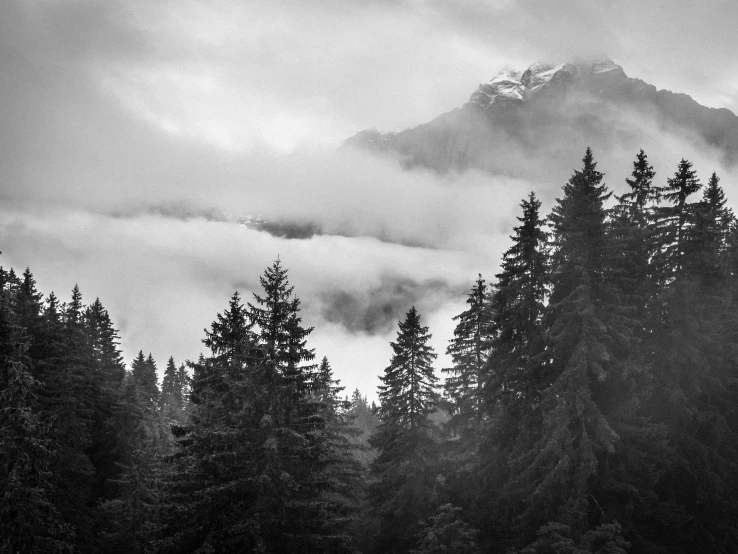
point(126, 128)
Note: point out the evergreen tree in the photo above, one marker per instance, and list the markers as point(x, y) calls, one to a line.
point(570, 464)
point(404, 487)
point(104, 340)
point(249, 477)
point(632, 229)
point(171, 393)
point(673, 225)
point(107, 372)
point(69, 396)
point(271, 314)
point(445, 533)
point(144, 374)
point(514, 373)
point(27, 305)
point(364, 419)
point(29, 520)
point(280, 332)
point(517, 307)
point(691, 367)
point(130, 521)
point(469, 350)
point(642, 192)
point(336, 481)
point(712, 229)
point(224, 485)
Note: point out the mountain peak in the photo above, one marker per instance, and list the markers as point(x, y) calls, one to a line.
point(551, 111)
point(512, 86)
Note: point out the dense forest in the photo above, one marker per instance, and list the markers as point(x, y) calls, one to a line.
point(591, 406)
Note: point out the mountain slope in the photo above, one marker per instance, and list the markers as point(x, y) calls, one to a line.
point(553, 112)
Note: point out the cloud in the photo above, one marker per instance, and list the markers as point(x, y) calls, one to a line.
point(134, 135)
point(164, 279)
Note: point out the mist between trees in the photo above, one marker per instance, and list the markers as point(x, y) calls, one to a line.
point(591, 407)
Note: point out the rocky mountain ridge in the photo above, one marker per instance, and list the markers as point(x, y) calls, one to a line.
point(552, 111)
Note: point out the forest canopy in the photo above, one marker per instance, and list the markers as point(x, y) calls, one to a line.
point(591, 405)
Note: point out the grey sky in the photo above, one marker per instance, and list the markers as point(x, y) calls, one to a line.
point(110, 108)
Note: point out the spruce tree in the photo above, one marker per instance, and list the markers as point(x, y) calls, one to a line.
point(693, 370)
point(469, 350)
point(336, 481)
point(257, 469)
point(27, 305)
point(224, 488)
point(517, 308)
point(276, 315)
point(171, 393)
point(144, 374)
point(130, 519)
point(104, 340)
point(404, 490)
point(712, 229)
point(29, 520)
point(70, 396)
point(107, 371)
point(271, 313)
point(566, 469)
point(642, 193)
point(632, 229)
point(514, 371)
point(446, 532)
point(673, 225)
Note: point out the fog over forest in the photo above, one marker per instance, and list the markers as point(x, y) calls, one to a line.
point(158, 158)
point(124, 123)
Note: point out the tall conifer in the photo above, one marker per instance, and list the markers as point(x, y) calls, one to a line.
point(585, 376)
point(404, 488)
point(514, 370)
point(469, 349)
point(29, 520)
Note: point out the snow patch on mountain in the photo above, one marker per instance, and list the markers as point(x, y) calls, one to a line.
point(515, 86)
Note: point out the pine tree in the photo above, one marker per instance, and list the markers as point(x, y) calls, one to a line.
point(280, 332)
point(104, 341)
point(271, 314)
point(249, 477)
point(62, 394)
point(29, 520)
point(693, 368)
point(712, 228)
point(469, 350)
point(365, 420)
point(514, 373)
point(144, 374)
point(517, 308)
point(107, 372)
point(632, 228)
point(567, 468)
point(404, 488)
point(446, 532)
point(28, 307)
point(224, 486)
point(673, 225)
point(336, 481)
point(129, 520)
point(171, 393)
point(70, 396)
point(642, 192)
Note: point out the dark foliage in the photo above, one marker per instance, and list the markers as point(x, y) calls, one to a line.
point(591, 406)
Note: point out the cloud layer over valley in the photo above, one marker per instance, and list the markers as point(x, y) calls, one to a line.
point(135, 141)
